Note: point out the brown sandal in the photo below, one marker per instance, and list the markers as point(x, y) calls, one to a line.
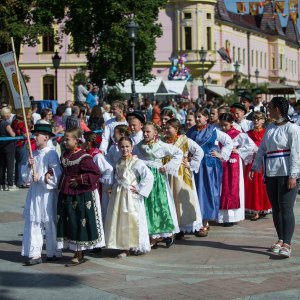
point(203, 232)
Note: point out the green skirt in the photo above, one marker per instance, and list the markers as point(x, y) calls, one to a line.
point(158, 213)
point(78, 219)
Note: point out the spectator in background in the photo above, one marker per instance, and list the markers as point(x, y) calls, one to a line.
point(58, 118)
point(22, 152)
point(73, 121)
point(46, 116)
point(92, 97)
point(156, 113)
point(82, 117)
point(106, 114)
point(7, 149)
point(149, 109)
point(68, 111)
point(96, 120)
point(35, 115)
point(81, 93)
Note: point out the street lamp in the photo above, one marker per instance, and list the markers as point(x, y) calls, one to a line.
point(203, 54)
point(132, 29)
point(209, 79)
point(236, 75)
point(56, 62)
point(256, 76)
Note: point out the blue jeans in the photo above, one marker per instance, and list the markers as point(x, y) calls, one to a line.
point(22, 155)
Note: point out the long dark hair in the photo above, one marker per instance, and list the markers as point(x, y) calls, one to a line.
point(226, 117)
point(283, 105)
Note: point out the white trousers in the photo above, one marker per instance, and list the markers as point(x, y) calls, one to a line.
point(33, 237)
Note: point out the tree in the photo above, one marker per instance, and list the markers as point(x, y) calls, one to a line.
point(98, 28)
point(25, 20)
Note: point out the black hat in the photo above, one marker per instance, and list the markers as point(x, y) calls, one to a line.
point(136, 114)
point(43, 128)
point(239, 106)
point(247, 96)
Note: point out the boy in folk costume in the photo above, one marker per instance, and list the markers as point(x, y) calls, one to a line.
point(136, 121)
point(40, 206)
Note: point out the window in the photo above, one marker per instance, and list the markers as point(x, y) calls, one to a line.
point(265, 60)
point(48, 87)
point(244, 56)
point(239, 54)
point(252, 58)
point(261, 60)
point(286, 64)
point(256, 59)
point(188, 38)
point(48, 43)
point(187, 15)
point(208, 37)
point(208, 16)
point(273, 61)
point(281, 61)
point(233, 54)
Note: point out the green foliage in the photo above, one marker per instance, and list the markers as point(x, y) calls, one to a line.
point(99, 29)
point(114, 94)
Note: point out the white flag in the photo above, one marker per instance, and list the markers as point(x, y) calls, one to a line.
point(9, 67)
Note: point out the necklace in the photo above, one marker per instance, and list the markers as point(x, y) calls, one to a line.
point(201, 127)
point(172, 139)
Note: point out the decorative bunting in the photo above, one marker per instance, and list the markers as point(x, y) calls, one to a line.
point(241, 7)
point(254, 8)
point(294, 10)
point(279, 6)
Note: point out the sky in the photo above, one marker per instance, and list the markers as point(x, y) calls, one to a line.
point(231, 5)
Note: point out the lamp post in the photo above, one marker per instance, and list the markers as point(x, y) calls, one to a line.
point(203, 54)
point(256, 76)
point(56, 62)
point(236, 75)
point(132, 29)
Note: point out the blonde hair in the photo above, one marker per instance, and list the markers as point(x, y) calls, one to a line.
point(119, 105)
point(5, 112)
point(75, 132)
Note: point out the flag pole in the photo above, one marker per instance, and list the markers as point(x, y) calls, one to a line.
point(21, 98)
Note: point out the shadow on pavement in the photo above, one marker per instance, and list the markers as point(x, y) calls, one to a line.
point(219, 245)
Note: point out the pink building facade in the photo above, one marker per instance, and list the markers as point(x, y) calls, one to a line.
point(258, 43)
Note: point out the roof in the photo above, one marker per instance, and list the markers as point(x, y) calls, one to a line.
point(267, 23)
point(150, 88)
point(218, 90)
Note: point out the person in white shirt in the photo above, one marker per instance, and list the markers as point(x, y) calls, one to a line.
point(81, 93)
point(279, 150)
point(239, 111)
point(35, 116)
point(136, 120)
point(118, 110)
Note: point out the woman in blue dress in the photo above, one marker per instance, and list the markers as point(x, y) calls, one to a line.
point(209, 178)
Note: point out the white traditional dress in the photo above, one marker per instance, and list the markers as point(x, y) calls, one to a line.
point(108, 133)
point(183, 187)
point(40, 206)
point(232, 204)
point(126, 223)
point(160, 207)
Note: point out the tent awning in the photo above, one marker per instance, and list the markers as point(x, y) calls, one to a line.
point(176, 87)
point(150, 88)
point(218, 90)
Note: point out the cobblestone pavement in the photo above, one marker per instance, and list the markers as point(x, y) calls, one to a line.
point(231, 263)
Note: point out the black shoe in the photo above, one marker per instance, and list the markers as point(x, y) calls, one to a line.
point(33, 262)
point(229, 224)
point(179, 236)
point(169, 242)
point(95, 251)
point(53, 258)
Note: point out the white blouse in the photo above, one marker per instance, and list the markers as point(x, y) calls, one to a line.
point(280, 151)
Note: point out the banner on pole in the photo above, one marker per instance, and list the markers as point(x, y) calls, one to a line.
point(279, 6)
point(241, 7)
point(254, 8)
point(8, 64)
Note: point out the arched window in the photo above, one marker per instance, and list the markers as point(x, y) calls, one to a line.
point(48, 87)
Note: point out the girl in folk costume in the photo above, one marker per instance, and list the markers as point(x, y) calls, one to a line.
point(91, 146)
point(256, 197)
point(160, 208)
point(232, 203)
point(279, 150)
point(126, 223)
point(208, 179)
point(114, 153)
point(79, 224)
point(40, 206)
point(183, 187)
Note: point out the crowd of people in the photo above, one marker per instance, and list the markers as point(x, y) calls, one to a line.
point(130, 180)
